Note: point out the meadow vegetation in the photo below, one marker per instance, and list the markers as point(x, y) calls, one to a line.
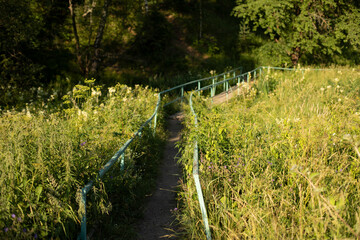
point(49, 153)
point(281, 161)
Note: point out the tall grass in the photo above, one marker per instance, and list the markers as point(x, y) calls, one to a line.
point(48, 155)
point(281, 161)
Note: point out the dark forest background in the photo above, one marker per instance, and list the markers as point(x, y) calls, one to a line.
point(50, 45)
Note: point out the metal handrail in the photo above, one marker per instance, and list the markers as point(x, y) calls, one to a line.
point(121, 152)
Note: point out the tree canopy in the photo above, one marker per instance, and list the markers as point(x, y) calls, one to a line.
point(304, 28)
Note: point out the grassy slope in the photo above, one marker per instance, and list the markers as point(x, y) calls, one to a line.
point(47, 155)
point(280, 161)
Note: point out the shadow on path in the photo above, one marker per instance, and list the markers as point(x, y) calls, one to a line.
point(158, 220)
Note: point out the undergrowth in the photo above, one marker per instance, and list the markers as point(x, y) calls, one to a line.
point(48, 154)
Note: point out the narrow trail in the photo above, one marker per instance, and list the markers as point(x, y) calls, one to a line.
point(158, 219)
point(158, 222)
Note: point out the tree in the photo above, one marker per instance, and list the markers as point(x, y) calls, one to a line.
point(303, 27)
point(89, 60)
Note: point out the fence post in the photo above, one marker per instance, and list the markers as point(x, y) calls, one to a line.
point(182, 93)
point(122, 163)
point(199, 86)
point(227, 90)
point(255, 75)
point(224, 84)
point(213, 89)
point(247, 77)
point(238, 85)
point(83, 219)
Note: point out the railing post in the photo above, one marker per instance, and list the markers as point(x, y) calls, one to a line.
point(155, 117)
point(254, 75)
point(227, 90)
point(83, 219)
point(182, 93)
point(247, 77)
point(213, 89)
point(238, 85)
point(224, 84)
point(122, 163)
point(199, 86)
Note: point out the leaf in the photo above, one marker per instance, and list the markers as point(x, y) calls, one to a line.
point(223, 200)
point(38, 191)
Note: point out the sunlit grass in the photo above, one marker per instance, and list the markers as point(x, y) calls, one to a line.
point(47, 155)
point(279, 162)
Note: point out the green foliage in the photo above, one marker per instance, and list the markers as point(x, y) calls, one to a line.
point(281, 161)
point(311, 28)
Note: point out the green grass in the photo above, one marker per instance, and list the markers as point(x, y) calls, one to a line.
point(48, 154)
point(281, 161)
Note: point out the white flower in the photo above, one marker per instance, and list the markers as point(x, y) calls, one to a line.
point(341, 90)
point(322, 89)
point(95, 93)
point(328, 87)
point(337, 86)
point(336, 79)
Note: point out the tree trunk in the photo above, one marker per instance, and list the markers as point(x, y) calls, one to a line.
point(146, 6)
point(77, 41)
point(201, 19)
point(295, 56)
point(100, 33)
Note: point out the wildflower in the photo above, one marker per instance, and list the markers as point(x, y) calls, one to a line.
point(95, 93)
point(35, 236)
point(111, 91)
point(24, 230)
point(341, 90)
point(328, 87)
point(272, 180)
point(336, 79)
point(339, 100)
point(210, 167)
point(19, 219)
point(225, 166)
point(337, 86)
point(322, 89)
point(175, 209)
point(82, 144)
point(13, 215)
point(6, 229)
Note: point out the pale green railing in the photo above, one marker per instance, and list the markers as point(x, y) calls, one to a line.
point(225, 79)
point(121, 152)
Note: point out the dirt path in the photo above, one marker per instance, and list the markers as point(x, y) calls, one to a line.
point(158, 219)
